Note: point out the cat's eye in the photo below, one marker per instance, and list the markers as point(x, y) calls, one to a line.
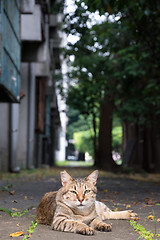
point(87, 191)
point(73, 192)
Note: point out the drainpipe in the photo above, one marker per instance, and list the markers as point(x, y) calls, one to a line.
point(31, 117)
point(47, 28)
point(39, 139)
point(39, 150)
point(14, 119)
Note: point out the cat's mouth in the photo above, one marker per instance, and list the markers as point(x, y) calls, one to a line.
point(80, 205)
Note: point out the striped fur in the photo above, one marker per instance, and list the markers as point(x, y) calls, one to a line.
point(73, 208)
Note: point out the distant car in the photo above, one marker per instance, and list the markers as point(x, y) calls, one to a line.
point(72, 158)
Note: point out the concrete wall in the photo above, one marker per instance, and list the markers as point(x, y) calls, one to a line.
point(38, 60)
point(31, 25)
point(27, 6)
point(4, 136)
point(23, 118)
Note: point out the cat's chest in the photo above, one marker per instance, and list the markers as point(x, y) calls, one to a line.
point(85, 218)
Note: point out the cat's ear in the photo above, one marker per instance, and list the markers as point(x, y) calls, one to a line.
point(93, 177)
point(65, 177)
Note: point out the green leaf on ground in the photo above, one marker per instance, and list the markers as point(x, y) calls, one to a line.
point(147, 235)
point(30, 230)
point(6, 210)
point(12, 213)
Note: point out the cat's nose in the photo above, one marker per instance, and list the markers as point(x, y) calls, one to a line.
point(81, 200)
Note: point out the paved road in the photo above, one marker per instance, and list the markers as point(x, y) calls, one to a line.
point(117, 193)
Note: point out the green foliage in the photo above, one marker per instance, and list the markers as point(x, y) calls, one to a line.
point(6, 187)
point(13, 213)
point(117, 138)
point(137, 59)
point(76, 123)
point(19, 214)
point(6, 210)
point(57, 7)
point(32, 227)
point(117, 134)
point(148, 235)
point(83, 136)
point(74, 163)
point(83, 142)
point(116, 59)
point(30, 230)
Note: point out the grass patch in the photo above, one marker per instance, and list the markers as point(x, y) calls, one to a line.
point(74, 163)
point(84, 170)
point(6, 188)
point(13, 213)
point(147, 235)
point(30, 230)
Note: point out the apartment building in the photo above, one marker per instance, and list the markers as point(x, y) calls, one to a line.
point(33, 118)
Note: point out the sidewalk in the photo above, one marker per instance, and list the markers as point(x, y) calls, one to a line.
point(117, 193)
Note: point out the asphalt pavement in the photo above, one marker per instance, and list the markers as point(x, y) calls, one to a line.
point(118, 193)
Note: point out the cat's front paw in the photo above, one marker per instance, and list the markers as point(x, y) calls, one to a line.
point(132, 215)
point(85, 230)
point(104, 227)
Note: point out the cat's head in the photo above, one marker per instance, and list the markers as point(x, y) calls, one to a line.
point(79, 193)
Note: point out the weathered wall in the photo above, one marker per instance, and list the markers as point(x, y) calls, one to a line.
point(9, 50)
point(23, 118)
point(4, 136)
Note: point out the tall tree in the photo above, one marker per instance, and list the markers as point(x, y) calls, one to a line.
point(141, 112)
point(113, 74)
point(92, 88)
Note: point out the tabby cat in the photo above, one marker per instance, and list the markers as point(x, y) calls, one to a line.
point(73, 208)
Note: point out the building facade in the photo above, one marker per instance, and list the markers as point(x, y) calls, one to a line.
point(32, 119)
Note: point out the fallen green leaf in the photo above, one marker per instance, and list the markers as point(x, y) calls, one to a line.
point(6, 210)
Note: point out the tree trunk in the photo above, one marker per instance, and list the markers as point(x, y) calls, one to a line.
point(104, 153)
point(129, 143)
point(147, 149)
point(156, 149)
point(145, 153)
point(151, 150)
point(94, 124)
